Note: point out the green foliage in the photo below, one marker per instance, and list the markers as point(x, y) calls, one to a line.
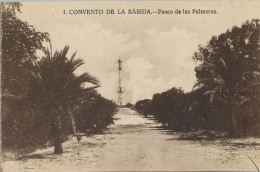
point(229, 73)
point(57, 90)
point(171, 108)
point(20, 41)
point(227, 92)
point(130, 105)
point(23, 128)
point(95, 114)
point(54, 83)
point(169, 105)
point(40, 95)
point(144, 107)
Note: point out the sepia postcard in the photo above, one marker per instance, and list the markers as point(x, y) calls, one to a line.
point(130, 86)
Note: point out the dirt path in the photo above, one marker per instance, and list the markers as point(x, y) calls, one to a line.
point(134, 143)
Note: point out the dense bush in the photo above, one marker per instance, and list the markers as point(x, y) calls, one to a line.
point(144, 106)
point(171, 108)
point(229, 76)
point(41, 94)
point(23, 128)
point(21, 122)
point(130, 105)
point(226, 96)
point(94, 115)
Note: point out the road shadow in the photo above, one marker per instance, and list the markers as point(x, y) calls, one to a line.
point(202, 135)
point(35, 156)
point(213, 137)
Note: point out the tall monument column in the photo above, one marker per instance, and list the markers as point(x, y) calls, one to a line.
point(120, 88)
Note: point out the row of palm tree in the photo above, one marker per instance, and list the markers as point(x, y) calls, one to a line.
point(226, 95)
point(41, 95)
point(229, 71)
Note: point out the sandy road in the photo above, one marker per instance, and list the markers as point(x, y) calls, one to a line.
point(134, 143)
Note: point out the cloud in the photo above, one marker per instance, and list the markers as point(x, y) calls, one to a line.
point(154, 58)
point(141, 85)
point(99, 47)
point(163, 60)
point(154, 63)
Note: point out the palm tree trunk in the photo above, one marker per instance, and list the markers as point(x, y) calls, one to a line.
point(73, 123)
point(56, 133)
point(234, 128)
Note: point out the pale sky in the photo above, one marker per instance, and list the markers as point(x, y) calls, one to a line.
point(156, 50)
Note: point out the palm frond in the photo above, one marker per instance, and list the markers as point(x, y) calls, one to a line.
point(73, 56)
point(91, 88)
point(75, 64)
point(86, 77)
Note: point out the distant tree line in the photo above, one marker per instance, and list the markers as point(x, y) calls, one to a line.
point(43, 100)
point(226, 96)
point(130, 105)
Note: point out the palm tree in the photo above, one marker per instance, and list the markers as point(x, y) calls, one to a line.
point(229, 68)
point(58, 90)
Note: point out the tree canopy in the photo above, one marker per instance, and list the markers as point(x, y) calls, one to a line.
point(226, 95)
point(41, 94)
point(20, 41)
point(229, 69)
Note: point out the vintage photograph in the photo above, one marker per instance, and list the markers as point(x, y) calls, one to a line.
point(130, 86)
